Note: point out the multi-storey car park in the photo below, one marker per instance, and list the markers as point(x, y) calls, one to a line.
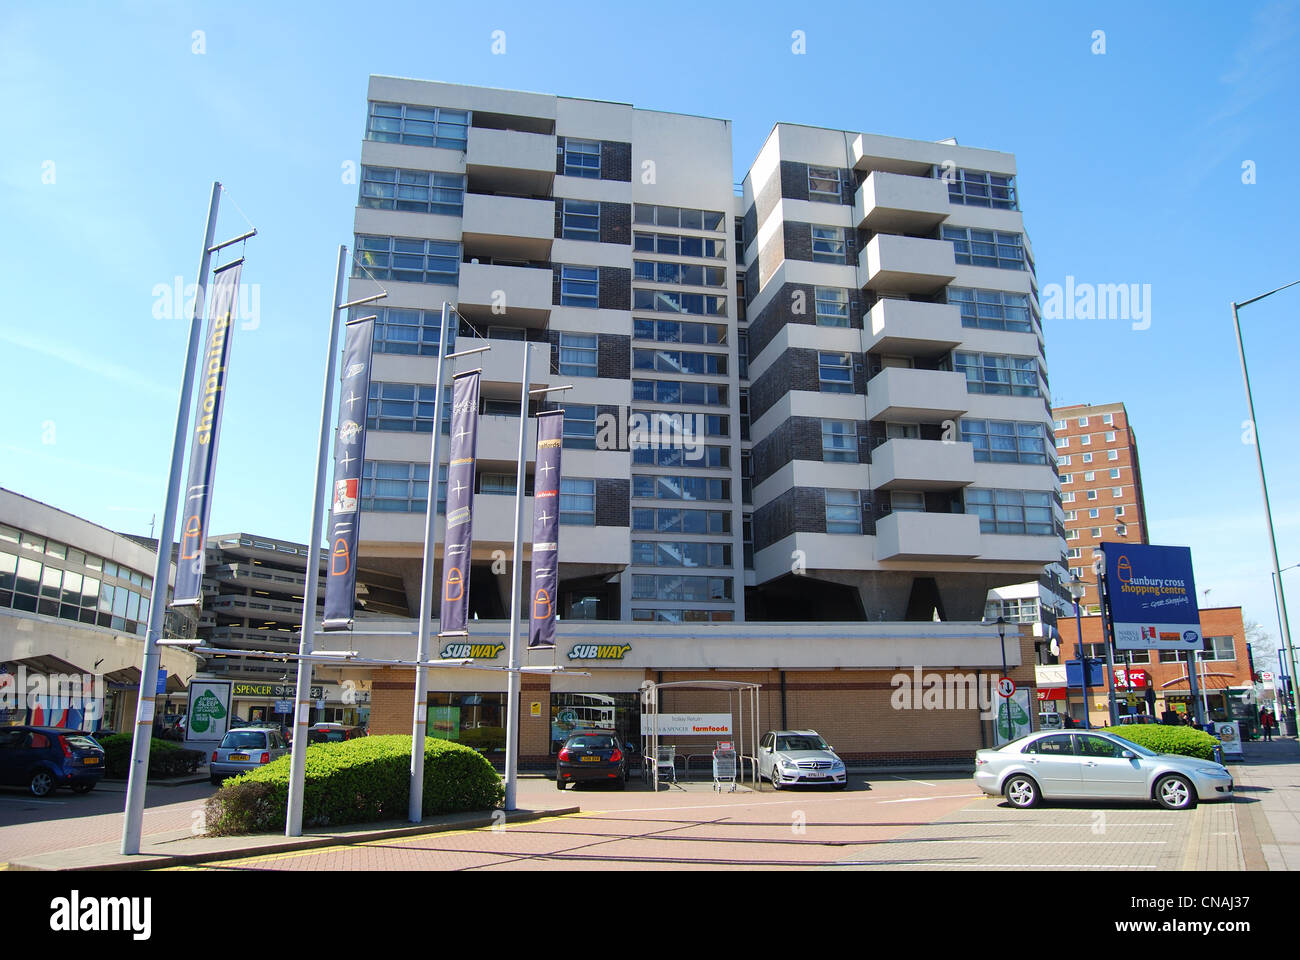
point(855, 333)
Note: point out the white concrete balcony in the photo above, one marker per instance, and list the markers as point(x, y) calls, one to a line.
point(523, 292)
point(510, 161)
point(906, 264)
point(927, 536)
point(894, 203)
point(902, 464)
point(509, 226)
point(913, 328)
point(916, 396)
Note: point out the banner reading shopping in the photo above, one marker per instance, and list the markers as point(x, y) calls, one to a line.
point(212, 370)
point(349, 455)
point(456, 542)
point(546, 529)
point(1152, 597)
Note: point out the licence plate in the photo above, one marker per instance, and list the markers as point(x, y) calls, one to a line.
point(89, 760)
point(238, 756)
point(591, 759)
point(815, 776)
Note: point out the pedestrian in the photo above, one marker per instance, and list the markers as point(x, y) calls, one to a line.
point(1267, 722)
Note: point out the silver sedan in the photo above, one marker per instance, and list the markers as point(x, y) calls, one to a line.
point(1096, 766)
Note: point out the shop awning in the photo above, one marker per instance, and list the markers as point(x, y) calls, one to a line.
point(1053, 693)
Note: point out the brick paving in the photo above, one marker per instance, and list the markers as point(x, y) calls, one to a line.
point(1268, 803)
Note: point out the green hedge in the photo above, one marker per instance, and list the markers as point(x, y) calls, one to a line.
point(166, 759)
point(1166, 738)
point(356, 781)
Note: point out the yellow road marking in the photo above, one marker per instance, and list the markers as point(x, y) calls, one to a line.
point(382, 841)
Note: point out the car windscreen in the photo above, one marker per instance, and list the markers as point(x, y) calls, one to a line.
point(243, 740)
point(592, 743)
point(801, 743)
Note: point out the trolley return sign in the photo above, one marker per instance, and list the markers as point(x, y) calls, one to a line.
point(1152, 597)
point(688, 724)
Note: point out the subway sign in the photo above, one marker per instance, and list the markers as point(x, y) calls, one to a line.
point(472, 651)
point(277, 691)
point(599, 651)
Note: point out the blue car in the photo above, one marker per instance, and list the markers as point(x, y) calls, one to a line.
point(42, 759)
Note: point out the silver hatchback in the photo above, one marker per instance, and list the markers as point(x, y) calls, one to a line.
point(1096, 766)
point(245, 749)
point(787, 757)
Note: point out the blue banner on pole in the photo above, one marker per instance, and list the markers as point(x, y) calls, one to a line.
point(456, 544)
point(546, 529)
point(349, 457)
point(212, 372)
point(1152, 597)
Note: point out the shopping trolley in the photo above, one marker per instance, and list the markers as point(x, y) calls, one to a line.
point(724, 769)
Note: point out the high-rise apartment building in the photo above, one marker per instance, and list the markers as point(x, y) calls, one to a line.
point(1101, 485)
point(853, 331)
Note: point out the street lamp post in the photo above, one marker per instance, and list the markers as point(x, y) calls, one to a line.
point(1002, 641)
point(1077, 589)
point(1279, 593)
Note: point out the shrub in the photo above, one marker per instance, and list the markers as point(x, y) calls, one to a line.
point(356, 781)
point(1162, 738)
point(166, 759)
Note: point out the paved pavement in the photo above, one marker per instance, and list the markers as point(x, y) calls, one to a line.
point(1268, 799)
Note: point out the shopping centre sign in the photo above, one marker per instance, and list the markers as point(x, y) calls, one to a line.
point(1152, 597)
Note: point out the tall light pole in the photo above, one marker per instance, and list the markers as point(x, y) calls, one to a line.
point(1077, 589)
point(1288, 714)
point(1263, 483)
point(1002, 641)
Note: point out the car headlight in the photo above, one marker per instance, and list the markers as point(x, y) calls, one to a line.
point(789, 764)
point(837, 764)
point(1212, 771)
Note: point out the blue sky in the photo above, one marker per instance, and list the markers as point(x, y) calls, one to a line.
point(1131, 171)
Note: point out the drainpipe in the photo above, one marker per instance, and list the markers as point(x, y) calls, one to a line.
point(979, 685)
point(784, 723)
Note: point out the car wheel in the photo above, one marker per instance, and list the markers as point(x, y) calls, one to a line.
point(776, 779)
point(620, 784)
point(215, 779)
point(1175, 793)
point(1021, 791)
point(559, 782)
point(42, 783)
point(82, 787)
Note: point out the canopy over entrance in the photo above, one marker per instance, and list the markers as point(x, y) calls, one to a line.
point(675, 728)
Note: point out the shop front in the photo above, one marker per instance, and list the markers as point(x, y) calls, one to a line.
point(272, 703)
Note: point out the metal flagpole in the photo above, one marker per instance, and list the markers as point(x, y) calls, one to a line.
point(516, 586)
point(415, 811)
point(307, 639)
point(144, 713)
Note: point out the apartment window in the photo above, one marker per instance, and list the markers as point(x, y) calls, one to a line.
point(1114, 473)
point(975, 188)
point(407, 260)
point(1011, 511)
point(742, 355)
point(1089, 476)
point(828, 244)
point(1094, 513)
point(1119, 511)
point(1071, 534)
point(907, 501)
point(686, 274)
point(710, 456)
point(1083, 421)
point(1219, 648)
point(998, 441)
point(681, 588)
point(1062, 443)
point(1087, 458)
point(582, 158)
point(680, 488)
point(399, 487)
point(1110, 436)
point(679, 331)
point(986, 248)
point(1067, 498)
point(1121, 530)
point(839, 441)
point(747, 540)
point(1095, 533)
point(675, 245)
point(578, 501)
point(843, 511)
point(417, 191)
point(1067, 478)
point(411, 332)
point(746, 477)
point(1117, 491)
point(581, 220)
point(680, 361)
point(824, 184)
point(418, 126)
point(683, 217)
point(1085, 440)
point(1092, 494)
point(664, 424)
point(996, 374)
point(670, 520)
point(1112, 454)
point(577, 354)
point(831, 305)
point(671, 301)
point(1109, 419)
point(579, 286)
point(497, 484)
point(1064, 461)
point(835, 372)
point(992, 309)
point(679, 391)
point(688, 553)
point(903, 431)
point(1070, 515)
point(405, 407)
point(1060, 424)
point(580, 426)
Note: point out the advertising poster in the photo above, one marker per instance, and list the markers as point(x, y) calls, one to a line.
point(209, 711)
point(1152, 597)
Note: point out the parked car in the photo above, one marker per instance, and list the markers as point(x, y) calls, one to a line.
point(1131, 718)
point(788, 757)
point(1096, 766)
point(333, 733)
point(245, 749)
point(42, 759)
point(592, 756)
point(170, 727)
